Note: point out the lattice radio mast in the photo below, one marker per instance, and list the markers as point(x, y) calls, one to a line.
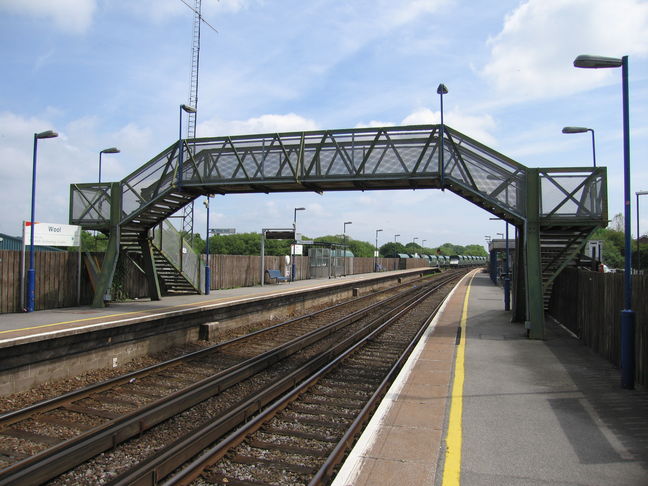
point(188, 210)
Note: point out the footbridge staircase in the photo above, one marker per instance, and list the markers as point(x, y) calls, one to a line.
point(555, 210)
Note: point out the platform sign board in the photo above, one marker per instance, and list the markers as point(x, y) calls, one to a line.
point(52, 234)
point(279, 234)
point(223, 231)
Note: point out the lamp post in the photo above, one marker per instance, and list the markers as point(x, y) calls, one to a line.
point(639, 193)
point(31, 273)
point(507, 276)
point(441, 90)
point(207, 268)
point(376, 257)
point(423, 243)
point(345, 256)
point(569, 130)
point(292, 257)
point(111, 150)
point(186, 109)
point(414, 239)
point(395, 236)
point(627, 314)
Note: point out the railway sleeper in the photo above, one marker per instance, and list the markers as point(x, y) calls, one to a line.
point(298, 433)
point(220, 478)
point(49, 419)
point(274, 464)
point(290, 449)
point(331, 409)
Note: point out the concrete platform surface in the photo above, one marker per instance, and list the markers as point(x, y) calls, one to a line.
point(46, 322)
point(531, 412)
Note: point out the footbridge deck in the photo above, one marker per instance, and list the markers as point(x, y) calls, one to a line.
point(554, 209)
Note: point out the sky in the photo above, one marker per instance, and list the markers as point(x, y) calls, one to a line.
point(112, 73)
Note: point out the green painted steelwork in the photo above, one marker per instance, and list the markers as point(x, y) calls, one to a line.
point(149, 267)
point(557, 207)
point(112, 252)
point(534, 297)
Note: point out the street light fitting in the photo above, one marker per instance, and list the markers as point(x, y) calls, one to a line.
point(597, 62)
point(188, 108)
point(575, 129)
point(442, 89)
point(300, 209)
point(47, 134)
point(348, 222)
point(111, 150)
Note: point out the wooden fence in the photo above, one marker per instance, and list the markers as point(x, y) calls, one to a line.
point(590, 303)
point(57, 276)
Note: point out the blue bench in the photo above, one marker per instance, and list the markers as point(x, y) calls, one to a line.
point(276, 274)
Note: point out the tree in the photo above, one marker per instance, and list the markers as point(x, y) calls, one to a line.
point(617, 223)
point(358, 248)
point(392, 249)
point(475, 250)
point(90, 242)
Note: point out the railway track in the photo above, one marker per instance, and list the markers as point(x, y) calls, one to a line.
point(45, 440)
point(303, 435)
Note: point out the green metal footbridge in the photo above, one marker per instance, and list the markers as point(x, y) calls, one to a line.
point(555, 210)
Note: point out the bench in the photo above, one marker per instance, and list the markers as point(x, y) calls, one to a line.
point(276, 274)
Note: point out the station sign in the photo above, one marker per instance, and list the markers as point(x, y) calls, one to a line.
point(223, 231)
point(279, 235)
point(52, 234)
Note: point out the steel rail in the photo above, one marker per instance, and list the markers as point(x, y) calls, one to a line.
point(325, 473)
point(11, 417)
point(66, 455)
point(150, 471)
point(217, 452)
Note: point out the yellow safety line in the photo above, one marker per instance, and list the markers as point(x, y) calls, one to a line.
point(452, 463)
point(155, 311)
point(143, 312)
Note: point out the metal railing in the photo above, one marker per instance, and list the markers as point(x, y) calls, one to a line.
point(352, 159)
point(573, 193)
point(177, 250)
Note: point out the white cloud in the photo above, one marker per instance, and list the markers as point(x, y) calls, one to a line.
point(73, 16)
point(478, 127)
point(375, 124)
point(533, 54)
point(261, 124)
point(160, 11)
point(71, 158)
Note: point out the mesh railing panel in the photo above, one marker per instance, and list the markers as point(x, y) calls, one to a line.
point(150, 181)
point(178, 251)
point(90, 204)
point(573, 194)
point(357, 155)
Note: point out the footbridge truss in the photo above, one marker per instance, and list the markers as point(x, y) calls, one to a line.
point(555, 210)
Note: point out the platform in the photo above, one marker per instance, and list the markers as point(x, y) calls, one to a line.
point(56, 344)
point(46, 323)
point(495, 408)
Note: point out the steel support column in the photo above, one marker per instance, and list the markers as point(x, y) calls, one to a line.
point(519, 279)
point(112, 251)
point(535, 302)
point(149, 267)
